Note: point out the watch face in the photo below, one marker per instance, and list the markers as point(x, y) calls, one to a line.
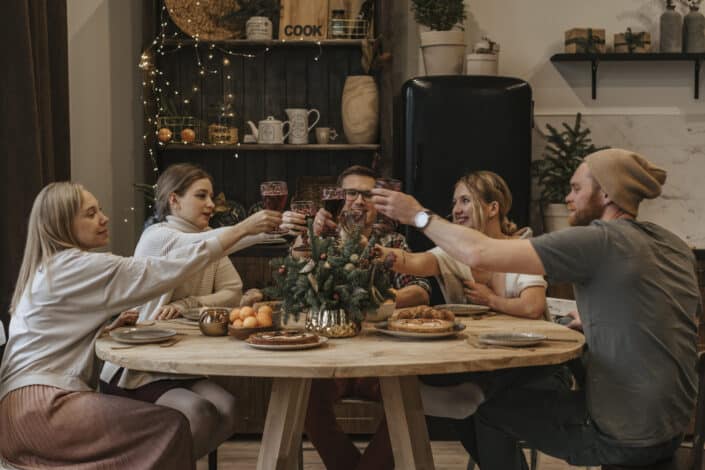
point(421, 219)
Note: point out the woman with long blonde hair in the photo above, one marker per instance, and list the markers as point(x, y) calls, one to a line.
point(481, 200)
point(65, 294)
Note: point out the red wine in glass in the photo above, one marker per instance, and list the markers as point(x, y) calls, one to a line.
point(274, 195)
point(333, 199)
point(384, 224)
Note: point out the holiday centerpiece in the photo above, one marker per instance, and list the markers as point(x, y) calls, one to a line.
point(563, 154)
point(336, 286)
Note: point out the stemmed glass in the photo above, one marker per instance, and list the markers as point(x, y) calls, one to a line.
point(384, 224)
point(333, 198)
point(274, 194)
point(308, 210)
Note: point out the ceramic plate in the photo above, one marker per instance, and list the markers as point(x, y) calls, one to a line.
point(272, 241)
point(142, 335)
point(193, 314)
point(382, 328)
point(464, 309)
point(511, 339)
point(288, 347)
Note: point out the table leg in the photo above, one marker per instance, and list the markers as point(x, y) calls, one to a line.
point(286, 413)
point(406, 423)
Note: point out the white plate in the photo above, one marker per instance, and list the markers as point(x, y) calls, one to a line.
point(193, 314)
point(142, 335)
point(464, 309)
point(272, 241)
point(382, 328)
point(511, 339)
point(288, 347)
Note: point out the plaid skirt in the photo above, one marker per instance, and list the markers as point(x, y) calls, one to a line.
point(47, 427)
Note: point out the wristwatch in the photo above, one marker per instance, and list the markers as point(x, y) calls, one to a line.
point(422, 219)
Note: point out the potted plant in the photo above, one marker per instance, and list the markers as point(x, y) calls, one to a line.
point(563, 154)
point(443, 47)
point(335, 286)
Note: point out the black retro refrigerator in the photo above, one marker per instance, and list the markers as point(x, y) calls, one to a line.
point(456, 124)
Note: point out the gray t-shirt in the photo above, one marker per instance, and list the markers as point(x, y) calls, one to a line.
point(638, 296)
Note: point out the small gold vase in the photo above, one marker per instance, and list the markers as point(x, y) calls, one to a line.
point(334, 323)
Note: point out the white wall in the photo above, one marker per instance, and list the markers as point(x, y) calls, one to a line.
point(105, 114)
point(644, 106)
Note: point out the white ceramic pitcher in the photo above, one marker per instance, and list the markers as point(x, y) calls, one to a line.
point(298, 124)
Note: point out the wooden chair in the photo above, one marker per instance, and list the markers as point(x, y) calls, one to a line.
point(690, 454)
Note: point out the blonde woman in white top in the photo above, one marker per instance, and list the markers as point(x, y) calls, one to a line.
point(184, 203)
point(481, 200)
point(64, 296)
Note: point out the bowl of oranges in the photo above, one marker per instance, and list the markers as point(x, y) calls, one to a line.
point(246, 320)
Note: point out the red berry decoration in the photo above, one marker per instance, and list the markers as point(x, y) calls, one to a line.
point(336, 296)
point(323, 256)
point(282, 270)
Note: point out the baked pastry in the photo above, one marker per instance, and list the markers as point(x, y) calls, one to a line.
point(283, 337)
point(422, 319)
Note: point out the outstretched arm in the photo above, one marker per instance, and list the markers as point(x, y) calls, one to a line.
point(416, 264)
point(462, 243)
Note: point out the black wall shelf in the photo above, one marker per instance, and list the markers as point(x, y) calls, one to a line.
point(595, 60)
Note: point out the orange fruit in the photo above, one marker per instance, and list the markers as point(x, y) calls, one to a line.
point(237, 323)
point(246, 312)
point(164, 134)
point(249, 322)
point(265, 309)
point(234, 314)
point(264, 317)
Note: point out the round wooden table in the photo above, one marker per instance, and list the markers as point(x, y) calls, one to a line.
point(396, 361)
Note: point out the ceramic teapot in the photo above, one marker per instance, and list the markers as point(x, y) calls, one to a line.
point(270, 131)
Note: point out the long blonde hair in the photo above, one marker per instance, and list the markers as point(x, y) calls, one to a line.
point(49, 231)
point(487, 187)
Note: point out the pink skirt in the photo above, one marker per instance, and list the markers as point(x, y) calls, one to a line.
point(45, 426)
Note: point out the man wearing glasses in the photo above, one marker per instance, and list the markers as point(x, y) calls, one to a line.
point(334, 446)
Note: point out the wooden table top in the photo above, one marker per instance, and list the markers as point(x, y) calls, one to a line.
point(369, 354)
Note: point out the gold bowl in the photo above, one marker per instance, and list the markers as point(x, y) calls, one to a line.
point(213, 321)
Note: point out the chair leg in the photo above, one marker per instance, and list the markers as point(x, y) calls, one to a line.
point(213, 460)
point(534, 457)
point(471, 464)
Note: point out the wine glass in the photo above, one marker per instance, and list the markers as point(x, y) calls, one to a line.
point(307, 209)
point(384, 224)
point(333, 198)
point(274, 195)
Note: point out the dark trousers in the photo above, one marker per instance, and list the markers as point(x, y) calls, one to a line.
point(556, 422)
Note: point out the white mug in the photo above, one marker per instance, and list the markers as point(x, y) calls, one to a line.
point(325, 135)
point(298, 124)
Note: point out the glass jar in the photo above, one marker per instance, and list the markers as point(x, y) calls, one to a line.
point(337, 25)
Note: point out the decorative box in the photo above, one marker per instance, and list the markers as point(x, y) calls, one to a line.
point(632, 42)
point(585, 40)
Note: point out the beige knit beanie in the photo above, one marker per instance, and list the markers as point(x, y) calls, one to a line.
point(626, 177)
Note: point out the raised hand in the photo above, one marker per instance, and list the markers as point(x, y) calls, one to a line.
point(294, 222)
point(323, 219)
point(262, 221)
point(396, 205)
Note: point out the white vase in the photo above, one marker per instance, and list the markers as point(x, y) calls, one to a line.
point(443, 52)
point(555, 217)
point(360, 110)
point(481, 64)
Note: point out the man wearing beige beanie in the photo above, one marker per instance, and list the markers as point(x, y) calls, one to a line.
point(637, 294)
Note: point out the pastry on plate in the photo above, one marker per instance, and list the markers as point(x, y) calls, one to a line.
point(422, 319)
point(283, 337)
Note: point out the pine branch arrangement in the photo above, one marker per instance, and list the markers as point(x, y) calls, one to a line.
point(339, 274)
point(564, 152)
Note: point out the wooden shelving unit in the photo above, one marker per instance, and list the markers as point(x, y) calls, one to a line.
point(273, 147)
point(595, 60)
point(268, 43)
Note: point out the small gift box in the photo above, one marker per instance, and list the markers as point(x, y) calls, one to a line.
point(585, 40)
point(632, 42)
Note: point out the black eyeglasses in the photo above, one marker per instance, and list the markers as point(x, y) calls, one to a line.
point(352, 194)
